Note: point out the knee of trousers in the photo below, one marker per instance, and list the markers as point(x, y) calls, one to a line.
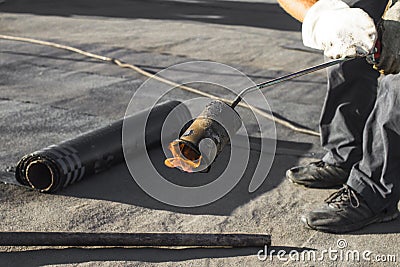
point(387, 108)
point(389, 85)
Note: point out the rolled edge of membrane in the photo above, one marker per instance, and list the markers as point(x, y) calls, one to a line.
point(50, 169)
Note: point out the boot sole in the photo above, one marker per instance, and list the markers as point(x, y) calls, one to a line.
point(380, 218)
point(312, 185)
point(315, 186)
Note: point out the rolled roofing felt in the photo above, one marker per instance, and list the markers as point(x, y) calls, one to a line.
point(57, 166)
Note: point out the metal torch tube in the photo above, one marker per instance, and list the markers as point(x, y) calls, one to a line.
point(284, 78)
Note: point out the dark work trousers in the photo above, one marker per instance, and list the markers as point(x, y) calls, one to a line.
point(361, 130)
point(377, 176)
point(352, 89)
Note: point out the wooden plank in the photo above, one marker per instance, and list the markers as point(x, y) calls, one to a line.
point(133, 239)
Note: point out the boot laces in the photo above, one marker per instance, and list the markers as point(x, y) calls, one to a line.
point(345, 194)
point(319, 164)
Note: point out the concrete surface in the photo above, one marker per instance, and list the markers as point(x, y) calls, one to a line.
point(48, 95)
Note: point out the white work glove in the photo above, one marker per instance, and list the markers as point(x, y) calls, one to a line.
point(389, 61)
point(341, 31)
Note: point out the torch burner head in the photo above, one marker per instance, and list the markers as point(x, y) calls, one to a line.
point(205, 138)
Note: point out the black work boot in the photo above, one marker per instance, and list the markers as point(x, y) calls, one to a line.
point(346, 211)
point(318, 174)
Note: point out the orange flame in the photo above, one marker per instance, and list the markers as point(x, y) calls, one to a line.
point(183, 157)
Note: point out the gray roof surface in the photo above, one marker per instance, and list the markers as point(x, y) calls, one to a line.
point(49, 95)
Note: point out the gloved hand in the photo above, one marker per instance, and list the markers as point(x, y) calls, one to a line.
point(341, 31)
point(389, 61)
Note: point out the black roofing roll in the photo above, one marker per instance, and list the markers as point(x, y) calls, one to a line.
point(57, 166)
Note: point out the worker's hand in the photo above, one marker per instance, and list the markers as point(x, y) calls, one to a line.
point(389, 61)
point(341, 31)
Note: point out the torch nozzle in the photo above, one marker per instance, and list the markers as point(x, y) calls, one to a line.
point(205, 138)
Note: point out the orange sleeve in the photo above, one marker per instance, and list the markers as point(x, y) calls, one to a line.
point(297, 8)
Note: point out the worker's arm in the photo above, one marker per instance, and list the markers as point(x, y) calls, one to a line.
point(297, 8)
